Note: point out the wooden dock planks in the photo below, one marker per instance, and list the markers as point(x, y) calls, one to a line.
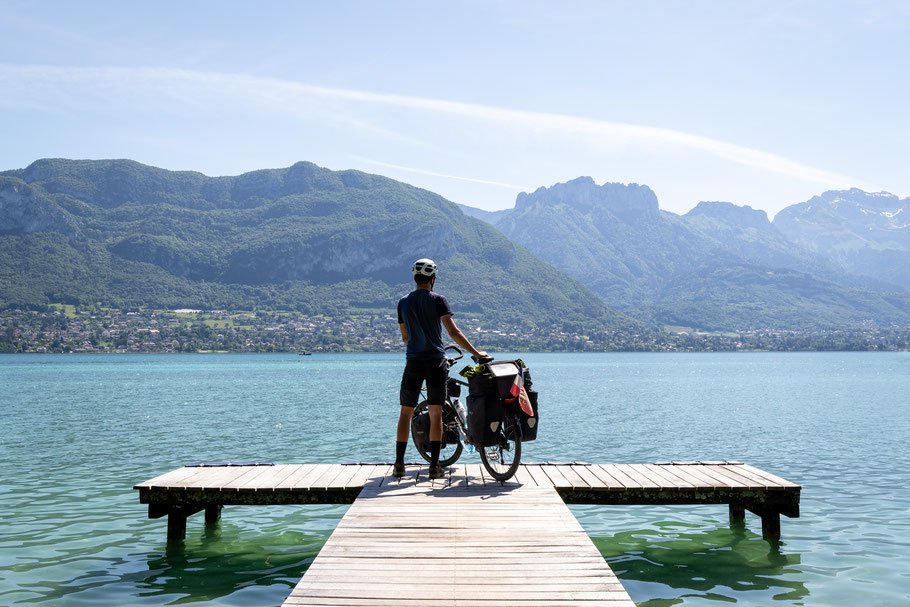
point(438, 543)
point(576, 483)
point(190, 489)
point(466, 539)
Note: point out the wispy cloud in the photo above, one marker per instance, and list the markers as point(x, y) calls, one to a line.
point(406, 169)
point(289, 96)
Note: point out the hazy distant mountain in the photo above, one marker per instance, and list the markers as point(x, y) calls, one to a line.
point(124, 234)
point(490, 217)
point(748, 235)
point(613, 237)
point(859, 232)
point(720, 266)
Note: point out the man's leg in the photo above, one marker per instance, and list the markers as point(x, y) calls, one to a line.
point(437, 373)
point(435, 412)
point(404, 424)
point(408, 395)
point(401, 439)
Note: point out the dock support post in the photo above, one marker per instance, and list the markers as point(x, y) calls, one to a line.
point(213, 514)
point(770, 526)
point(737, 516)
point(176, 524)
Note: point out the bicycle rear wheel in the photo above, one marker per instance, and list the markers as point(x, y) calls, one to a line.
point(450, 453)
point(503, 459)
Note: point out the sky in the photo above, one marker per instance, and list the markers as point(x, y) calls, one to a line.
point(763, 104)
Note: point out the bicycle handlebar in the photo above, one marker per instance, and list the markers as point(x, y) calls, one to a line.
point(480, 361)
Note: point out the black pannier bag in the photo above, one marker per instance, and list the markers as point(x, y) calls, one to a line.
point(528, 423)
point(484, 416)
point(487, 391)
point(481, 384)
point(449, 426)
point(505, 379)
point(453, 388)
point(420, 429)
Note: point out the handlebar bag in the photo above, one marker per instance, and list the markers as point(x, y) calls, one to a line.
point(496, 379)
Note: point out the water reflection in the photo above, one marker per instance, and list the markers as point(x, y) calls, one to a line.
point(212, 566)
point(673, 561)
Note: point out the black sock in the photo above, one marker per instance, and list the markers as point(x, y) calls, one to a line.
point(400, 448)
point(434, 452)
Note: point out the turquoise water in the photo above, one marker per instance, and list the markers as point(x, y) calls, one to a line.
point(79, 431)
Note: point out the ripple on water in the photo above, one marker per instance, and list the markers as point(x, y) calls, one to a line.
point(80, 431)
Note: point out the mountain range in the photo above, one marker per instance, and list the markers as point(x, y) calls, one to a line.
point(574, 256)
point(838, 260)
point(122, 234)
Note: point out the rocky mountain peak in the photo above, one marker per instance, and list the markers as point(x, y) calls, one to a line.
point(852, 209)
point(627, 201)
point(735, 215)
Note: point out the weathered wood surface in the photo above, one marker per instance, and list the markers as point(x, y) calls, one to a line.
point(458, 541)
point(681, 483)
point(465, 539)
point(185, 491)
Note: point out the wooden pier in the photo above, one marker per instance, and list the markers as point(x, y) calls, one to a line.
point(465, 539)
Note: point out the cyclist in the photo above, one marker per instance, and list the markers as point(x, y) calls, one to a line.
point(421, 316)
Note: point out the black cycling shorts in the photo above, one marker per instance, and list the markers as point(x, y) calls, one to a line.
point(417, 371)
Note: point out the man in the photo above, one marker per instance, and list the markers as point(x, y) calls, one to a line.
point(421, 316)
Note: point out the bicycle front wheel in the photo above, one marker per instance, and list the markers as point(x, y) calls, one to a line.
point(502, 460)
point(449, 454)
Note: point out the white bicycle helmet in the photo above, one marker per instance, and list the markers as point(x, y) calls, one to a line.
point(424, 267)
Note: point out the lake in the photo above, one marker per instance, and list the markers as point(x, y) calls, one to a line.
point(78, 431)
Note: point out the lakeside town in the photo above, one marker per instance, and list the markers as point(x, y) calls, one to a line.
point(68, 329)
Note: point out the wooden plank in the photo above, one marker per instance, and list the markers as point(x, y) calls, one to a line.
point(212, 478)
point(630, 476)
point(288, 472)
point(746, 478)
point(475, 475)
point(344, 476)
point(720, 480)
point(362, 475)
point(539, 475)
point(524, 477)
point(611, 482)
point(684, 480)
point(326, 479)
point(555, 476)
point(238, 481)
point(571, 474)
point(459, 476)
point(772, 479)
point(163, 480)
point(665, 478)
point(266, 481)
point(589, 477)
point(297, 478)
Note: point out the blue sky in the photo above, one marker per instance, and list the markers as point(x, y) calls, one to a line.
point(758, 103)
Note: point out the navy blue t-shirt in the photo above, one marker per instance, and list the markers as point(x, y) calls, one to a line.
point(420, 312)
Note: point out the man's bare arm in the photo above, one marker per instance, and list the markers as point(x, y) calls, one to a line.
point(458, 337)
point(404, 333)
